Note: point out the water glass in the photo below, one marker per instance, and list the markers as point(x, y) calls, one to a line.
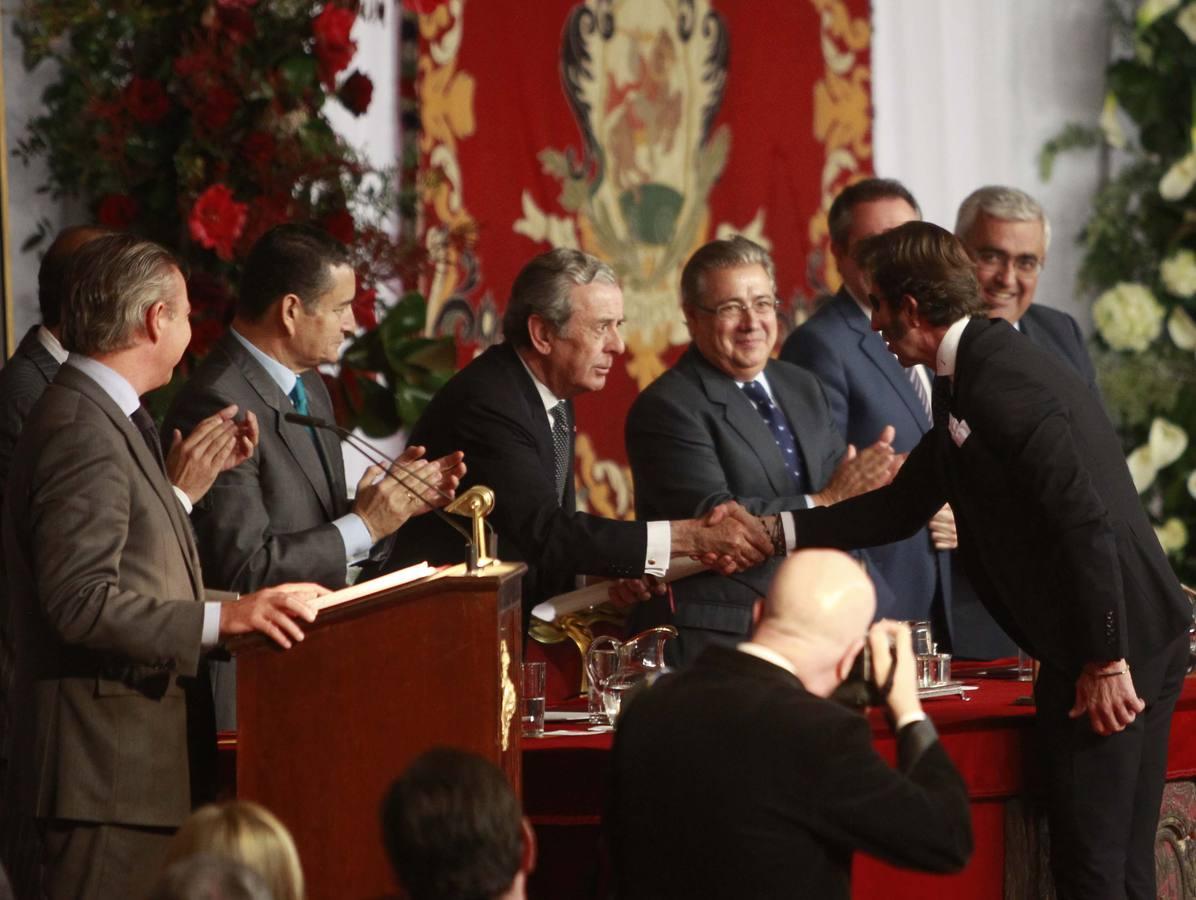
point(602, 663)
point(531, 699)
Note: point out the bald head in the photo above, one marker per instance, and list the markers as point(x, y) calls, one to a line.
point(818, 609)
point(54, 273)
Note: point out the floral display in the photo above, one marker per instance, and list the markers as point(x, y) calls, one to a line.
point(201, 125)
point(1140, 258)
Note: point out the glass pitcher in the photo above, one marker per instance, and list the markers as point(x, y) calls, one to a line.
point(638, 659)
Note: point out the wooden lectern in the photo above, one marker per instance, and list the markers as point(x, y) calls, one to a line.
point(325, 727)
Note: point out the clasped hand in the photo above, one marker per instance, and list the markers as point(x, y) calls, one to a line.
point(215, 445)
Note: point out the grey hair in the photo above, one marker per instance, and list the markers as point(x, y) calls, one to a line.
point(721, 254)
point(114, 280)
point(543, 288)
point(1001, 202)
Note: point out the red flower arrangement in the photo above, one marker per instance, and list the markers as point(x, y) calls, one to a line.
point(334, 47)
point(248, 146)
point(146, 101)
point(216, 220)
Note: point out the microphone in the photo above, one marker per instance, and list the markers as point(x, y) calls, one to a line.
point(377, 457)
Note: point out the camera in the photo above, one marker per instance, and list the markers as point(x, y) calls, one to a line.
point(858, 689)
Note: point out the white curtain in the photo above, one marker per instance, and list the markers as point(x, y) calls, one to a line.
point(967, 91)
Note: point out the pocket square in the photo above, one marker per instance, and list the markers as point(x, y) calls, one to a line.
point(958, 429)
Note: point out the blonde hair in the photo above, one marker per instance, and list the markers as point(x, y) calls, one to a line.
point(249, 834)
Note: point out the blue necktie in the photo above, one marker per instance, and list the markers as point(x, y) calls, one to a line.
point(781, 432)
point(298, 397)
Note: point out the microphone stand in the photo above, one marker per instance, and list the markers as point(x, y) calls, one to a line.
point(477, 501)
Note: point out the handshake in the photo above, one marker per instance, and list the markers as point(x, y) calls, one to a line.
point(728, 539)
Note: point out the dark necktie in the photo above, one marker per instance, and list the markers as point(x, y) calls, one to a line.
point(781, 432)
point(149, 432)
point(560, 447)
point(298, 397)
point(919, 386)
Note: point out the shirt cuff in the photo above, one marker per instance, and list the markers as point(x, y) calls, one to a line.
point(210, 635)
point(356, 537)
point(183, 498)
point(660, 548)
point(909, 718)
point(790, 531)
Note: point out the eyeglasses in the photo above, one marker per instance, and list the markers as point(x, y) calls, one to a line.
point(1026, 264)
point(733, 310)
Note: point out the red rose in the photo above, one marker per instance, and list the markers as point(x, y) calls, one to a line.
point(356, 92)
point(217, 220)
point(117, 211)
point(334, 48)
point(365, 306)
point(217, 108)
point(146, 101)
point(258, 149)
point(340, 225)
point(198, 69)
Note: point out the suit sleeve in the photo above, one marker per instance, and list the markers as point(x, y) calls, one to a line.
point(239, 546)
point(916, 817)
point(676, 466)
point(88, 496)
point(502, 453)
point(18, 395)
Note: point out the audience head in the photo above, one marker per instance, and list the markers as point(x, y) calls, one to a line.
point(453, 830)
point(728, 295)
point(249, 834)
point(127, 294)
point(564, 316)
point(817, 611)
point(209, 877)
point(861, 210)
point(298, 287)
point(53, 275)
point(920, 280)
point(1008, 234)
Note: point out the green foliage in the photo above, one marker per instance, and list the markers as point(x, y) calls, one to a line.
point(1133, 229)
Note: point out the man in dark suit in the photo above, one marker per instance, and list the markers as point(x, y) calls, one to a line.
point(108, 610)
point(729, 423)
point(868, 389)
point(511, 411)
point(1008, 234)
point(285, 514)
point(1057, 544)
point(36, 360)
point(685, 821)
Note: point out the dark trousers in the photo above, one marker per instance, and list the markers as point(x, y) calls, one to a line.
point(1104, 793)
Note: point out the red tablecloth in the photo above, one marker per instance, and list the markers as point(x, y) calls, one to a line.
point(987, 735)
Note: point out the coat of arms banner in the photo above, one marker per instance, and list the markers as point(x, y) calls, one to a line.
point(635, 130)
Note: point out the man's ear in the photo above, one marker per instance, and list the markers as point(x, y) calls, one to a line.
point(289, 309)
point(154, 322)
point(909, 307)
point(843, 668)
point(541, 334)
point(527, 864)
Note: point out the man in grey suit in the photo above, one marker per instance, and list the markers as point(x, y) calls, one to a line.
point(285, 515)
point(109, 613)
point(729, 423)
point(1007, 233)
point(868, 389)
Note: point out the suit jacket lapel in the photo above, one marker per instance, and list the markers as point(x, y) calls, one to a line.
point(146, 461)
point(872, 345)
point(537, 420)
point(296, 438)
point(741, 416)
